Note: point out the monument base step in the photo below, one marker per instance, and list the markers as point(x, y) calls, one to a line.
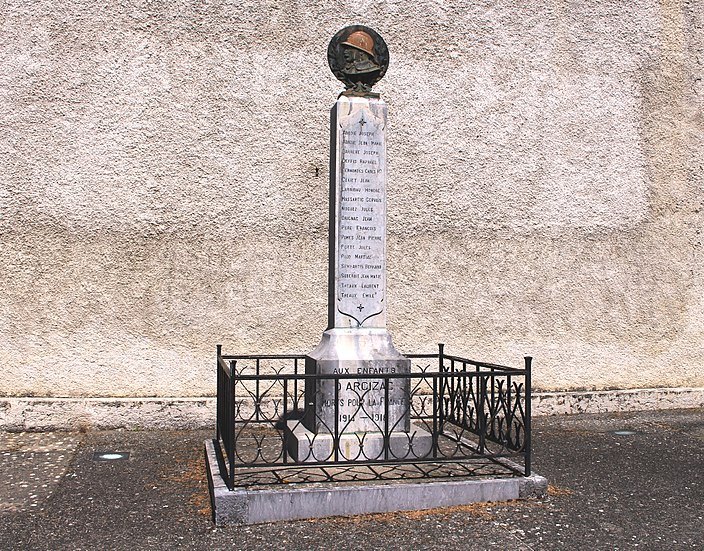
point(317, 500)
point(303, 445)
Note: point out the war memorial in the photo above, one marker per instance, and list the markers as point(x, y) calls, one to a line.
point(355, 426)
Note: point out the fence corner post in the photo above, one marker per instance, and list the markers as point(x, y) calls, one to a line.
point(528, 366)
point(218, 353)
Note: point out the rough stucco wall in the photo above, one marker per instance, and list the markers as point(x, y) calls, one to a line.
point(163, 187)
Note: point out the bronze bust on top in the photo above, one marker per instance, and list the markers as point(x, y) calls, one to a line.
point(358, 56)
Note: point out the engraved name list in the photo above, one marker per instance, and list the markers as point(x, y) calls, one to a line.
point(362, 215)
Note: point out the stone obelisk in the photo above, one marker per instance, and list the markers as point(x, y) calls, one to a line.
point(359, 411)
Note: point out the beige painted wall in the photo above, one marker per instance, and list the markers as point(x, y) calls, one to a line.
point(163, 187)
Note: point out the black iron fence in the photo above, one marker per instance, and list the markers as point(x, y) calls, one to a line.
point(448, 417)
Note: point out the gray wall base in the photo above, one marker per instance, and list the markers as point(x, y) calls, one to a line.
point(315, 501)
point(167, 413)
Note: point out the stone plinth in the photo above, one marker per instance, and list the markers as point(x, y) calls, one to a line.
point(306, 446)
point(302, 501)
point(361, 402)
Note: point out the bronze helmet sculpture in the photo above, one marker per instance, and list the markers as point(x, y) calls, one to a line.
point(359, 57)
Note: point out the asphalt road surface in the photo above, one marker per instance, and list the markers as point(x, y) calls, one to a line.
point(642, 489)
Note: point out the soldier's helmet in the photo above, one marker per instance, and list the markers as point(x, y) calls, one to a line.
point(361, 41)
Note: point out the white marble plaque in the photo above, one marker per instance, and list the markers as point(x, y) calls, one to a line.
point(359, 253)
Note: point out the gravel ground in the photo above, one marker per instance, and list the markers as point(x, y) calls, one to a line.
point(607, 491)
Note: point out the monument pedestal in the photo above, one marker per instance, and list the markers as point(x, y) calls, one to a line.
point(354, 407)
point(305, 446)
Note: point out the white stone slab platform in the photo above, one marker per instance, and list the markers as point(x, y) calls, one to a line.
point(305, 501)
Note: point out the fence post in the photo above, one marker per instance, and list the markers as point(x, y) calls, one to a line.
point(435, 414)
point(336, 424)
point(482, 414)
point(441, 391)
point(218, 398)
point(527, 409)
point(284, 430)
point(387, 436)
point(232, 437)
